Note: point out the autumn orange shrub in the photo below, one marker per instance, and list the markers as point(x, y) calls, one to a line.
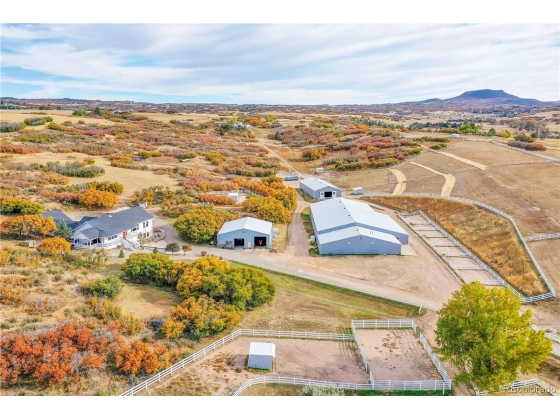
point(54, 246)
point(23, 226)
point(57, 355)
point(19, 257)
point(95, 198)
point(139, 357)
point(104, 309)
point(223, 200)
point(11, 296)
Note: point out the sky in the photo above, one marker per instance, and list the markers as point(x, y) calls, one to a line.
point(277, 63)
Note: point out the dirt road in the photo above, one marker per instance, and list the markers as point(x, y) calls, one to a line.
point(401, 186)
point(467, 161)
point(449, 180)
point(298, 241)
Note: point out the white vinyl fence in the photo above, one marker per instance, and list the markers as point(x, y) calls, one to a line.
point(543, 236)
point(241, 332)
point(402, 385)
point(299, 381)
point(522, 384)
point(524, 299)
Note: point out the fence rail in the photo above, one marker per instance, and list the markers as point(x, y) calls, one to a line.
point(522, 384)
point(524, 299)
point(543, 236)
point(219, 343)
point(299, 381)
point(399, 385)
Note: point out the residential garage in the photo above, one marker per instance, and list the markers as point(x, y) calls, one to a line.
point(261, 355)
point(245, 233)
point(319, 189)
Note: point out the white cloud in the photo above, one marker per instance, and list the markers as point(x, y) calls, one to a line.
point(290, 63)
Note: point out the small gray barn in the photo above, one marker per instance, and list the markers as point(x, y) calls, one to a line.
point(261, 355)
point(319, 189)
point(245, 232)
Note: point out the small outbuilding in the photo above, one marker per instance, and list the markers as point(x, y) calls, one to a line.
point(246, 233)
point(319, 189)
point(261, 355)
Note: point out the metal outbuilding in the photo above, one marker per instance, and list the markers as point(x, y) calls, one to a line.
point(319, 189)
point(344, 226)
point(246, 233)
point(261, 355)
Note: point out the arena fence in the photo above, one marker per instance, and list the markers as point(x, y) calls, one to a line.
point(524, 299)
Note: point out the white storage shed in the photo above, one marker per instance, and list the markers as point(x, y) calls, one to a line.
point(261, 355)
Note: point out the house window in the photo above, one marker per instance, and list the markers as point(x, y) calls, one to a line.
point(135, 229)
point(145, 224)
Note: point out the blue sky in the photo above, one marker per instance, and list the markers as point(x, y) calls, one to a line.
point(277, 64)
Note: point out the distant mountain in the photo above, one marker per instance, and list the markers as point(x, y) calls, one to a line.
point(489, 97)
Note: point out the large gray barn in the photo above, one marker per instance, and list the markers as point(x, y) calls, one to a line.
point(246, 233)
point(319, 189)
point(345, 226)
point(261, 355)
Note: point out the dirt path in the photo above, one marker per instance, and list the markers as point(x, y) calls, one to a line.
point(401, 186)
point(467, 161)
point(298, 241)
point(449, 180)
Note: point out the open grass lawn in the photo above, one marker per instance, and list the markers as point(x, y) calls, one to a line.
point(306, 217)
point(491, 237)
point(147, 301)
point(306, 305)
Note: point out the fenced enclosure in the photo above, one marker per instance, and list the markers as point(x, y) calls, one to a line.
point(383, 385)
point(219, 343)
point(401, 385)
point(524, 299)
point(497, 279)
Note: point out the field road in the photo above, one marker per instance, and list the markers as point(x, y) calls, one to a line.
point(452, 156)
point(449, 180)
point(298, 241)
point(401, 186)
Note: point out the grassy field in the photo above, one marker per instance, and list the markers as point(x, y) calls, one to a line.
point(492, 238)
point(133, 180)
point(306, 217)
point(147, 301)
point(302, 304)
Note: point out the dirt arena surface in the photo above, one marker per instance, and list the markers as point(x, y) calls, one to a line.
point(223, 371)
point(396, 354)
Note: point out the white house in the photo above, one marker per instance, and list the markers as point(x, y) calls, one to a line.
point(109, 231)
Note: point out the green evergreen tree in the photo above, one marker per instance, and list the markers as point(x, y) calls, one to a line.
point(121, 254)
point(64, 231)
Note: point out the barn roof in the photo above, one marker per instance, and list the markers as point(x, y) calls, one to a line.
point(262, 349)
point(354, 231)
point(339, 212)
point(249, 223)
point(316, 184)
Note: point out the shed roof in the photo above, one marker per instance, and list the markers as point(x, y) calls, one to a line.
point(354, 231)
point(316, 184)
point(249, 223)
point(338, 212)
point(262, 349)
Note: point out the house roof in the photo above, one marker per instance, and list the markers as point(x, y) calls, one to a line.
point(354, 231)
point(249, 223)
point(316, 184)
point(57, 215)
point(115, 223)
point(339, 212)
point(262, 349)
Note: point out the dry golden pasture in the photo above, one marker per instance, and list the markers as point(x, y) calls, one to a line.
point(57, 116)
point(132, 179)
point(491, 237)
